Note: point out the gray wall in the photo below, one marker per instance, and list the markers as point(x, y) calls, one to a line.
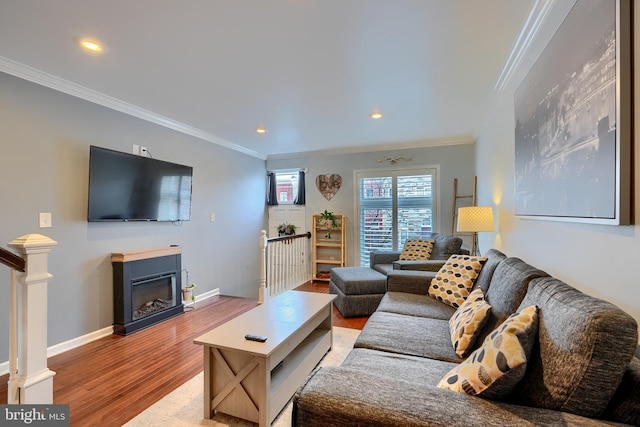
point(455, 161)
point(45, 138)
point(597, 259)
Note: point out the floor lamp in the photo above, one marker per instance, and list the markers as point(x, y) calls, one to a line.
point(473, 219)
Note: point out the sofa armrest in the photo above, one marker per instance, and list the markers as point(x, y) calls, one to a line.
point(383, 257)
point(419, 265)
point(409, 281)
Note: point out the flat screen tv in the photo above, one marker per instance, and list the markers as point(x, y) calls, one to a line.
point(127, 187)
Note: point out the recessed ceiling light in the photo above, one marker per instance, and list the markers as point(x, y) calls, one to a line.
point(376, 115)
point(261, 130)
point(91, 44)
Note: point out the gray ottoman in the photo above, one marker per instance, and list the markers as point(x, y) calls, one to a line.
point(358, 289)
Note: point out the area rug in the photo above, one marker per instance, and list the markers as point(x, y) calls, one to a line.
point(184, 406)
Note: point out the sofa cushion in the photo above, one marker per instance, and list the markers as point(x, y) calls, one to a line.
point(494, 257)
point(494, 369)
point(467, 322)
point(445, 245)
point(507, 289)
point(399, 366)
point(432, 265)
point(416, 249)
point(584, 347)
point(415, 336)
point(455, 279)
point(354, 397)
point(624, 407)
point(411, 281)
point(383, 268)
point(413, 304)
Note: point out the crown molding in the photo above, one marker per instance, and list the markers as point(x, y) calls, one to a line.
point(373, 148)
point(528, 32)
point(41, 78)
point(34, 75)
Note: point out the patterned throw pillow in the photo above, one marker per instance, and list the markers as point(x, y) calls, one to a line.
point(417, 249)
point(467, 322)
point(494, 369)
point(455, 279)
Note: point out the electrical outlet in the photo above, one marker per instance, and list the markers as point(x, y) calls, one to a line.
point(144, 152)
point(135, 149)
point(45, 219)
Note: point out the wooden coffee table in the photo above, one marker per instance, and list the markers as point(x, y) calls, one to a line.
point(253, 380)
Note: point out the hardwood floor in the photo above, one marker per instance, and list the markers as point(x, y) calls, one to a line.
point(111, 380)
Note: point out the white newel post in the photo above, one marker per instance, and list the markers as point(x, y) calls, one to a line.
point(33, 383)
point(263, 293)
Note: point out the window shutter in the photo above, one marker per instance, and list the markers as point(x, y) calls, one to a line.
point(394, 206)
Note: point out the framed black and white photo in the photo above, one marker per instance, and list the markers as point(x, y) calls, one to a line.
point(573, 120)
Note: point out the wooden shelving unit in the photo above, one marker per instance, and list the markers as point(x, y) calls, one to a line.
point(328, 252)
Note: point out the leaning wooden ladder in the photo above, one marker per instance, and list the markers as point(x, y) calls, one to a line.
point(454, 211)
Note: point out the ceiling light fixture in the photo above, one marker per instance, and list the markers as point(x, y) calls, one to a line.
point(376, 115)
point(261, 130)
point(91, 45)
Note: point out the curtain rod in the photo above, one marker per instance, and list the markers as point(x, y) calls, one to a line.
point(305, 170)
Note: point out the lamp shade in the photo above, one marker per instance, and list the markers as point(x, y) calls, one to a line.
point(475, 218)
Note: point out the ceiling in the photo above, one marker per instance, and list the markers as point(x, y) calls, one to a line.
point(309, 71)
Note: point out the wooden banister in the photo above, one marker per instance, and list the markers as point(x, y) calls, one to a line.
point(284, 263)
point(12, 260)
point(291, 237)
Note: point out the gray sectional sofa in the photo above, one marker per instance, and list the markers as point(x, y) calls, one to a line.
point(443, 247)
point(581, 370)
point(359, 290)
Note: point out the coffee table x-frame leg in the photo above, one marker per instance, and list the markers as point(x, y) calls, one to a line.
point(238, 386)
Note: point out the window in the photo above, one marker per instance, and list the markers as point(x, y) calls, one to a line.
point(286, 187)
point(393, 206)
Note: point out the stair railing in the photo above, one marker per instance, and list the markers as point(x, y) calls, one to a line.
point(284, 263)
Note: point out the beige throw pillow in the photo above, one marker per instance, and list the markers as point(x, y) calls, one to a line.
point(466, 323)
point(494, 369)
point(455, 279)
point(416, 249)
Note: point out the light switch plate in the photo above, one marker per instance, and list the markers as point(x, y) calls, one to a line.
point(45, 219)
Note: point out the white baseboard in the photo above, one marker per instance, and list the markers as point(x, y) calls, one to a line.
point(77, 342)
point(203, 296)
point(67, 345)
point(92, 336)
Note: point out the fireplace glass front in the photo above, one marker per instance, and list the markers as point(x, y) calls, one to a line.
point(151, 295)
